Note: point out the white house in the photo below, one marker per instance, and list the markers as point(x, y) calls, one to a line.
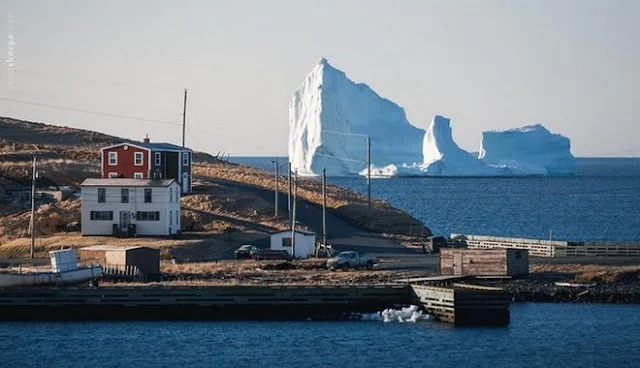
point(130, 207)
point(305, 242)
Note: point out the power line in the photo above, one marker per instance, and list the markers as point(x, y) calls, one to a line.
point(90, 111)
point(96, 81)
point(98, 103)
point(341, 133)
point(341, 158)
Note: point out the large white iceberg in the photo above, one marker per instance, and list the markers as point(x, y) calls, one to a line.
point(532, 147)
point(330, 118)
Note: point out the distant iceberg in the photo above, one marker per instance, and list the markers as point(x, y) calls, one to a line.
point(531, 147)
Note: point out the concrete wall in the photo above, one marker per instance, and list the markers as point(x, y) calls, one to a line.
point(160, 202)
point(304, 244)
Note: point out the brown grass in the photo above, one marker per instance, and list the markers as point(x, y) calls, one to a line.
point(345, 203)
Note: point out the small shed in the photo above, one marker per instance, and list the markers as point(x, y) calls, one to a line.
point(305, 242)
point(145, 260)
point(484, 262)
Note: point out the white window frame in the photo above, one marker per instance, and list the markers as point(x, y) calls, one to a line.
point(158, 158)
point(138, 175)
point(137, 155)
point(114, 156)
point(112, 175)
point(170, 194)
point(185, 158)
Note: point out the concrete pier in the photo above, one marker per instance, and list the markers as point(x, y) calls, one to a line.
point(200, 303)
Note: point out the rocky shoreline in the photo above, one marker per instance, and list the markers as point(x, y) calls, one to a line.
point(549, 292)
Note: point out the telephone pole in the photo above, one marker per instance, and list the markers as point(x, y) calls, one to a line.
point(369, 176)
point(32, 222)
point(289, 193)
point(275, 162)
point(184, 115)
point(324, 207)
point(293, 222)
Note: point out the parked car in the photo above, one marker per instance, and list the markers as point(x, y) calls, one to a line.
point(269, 254)
point(245, 251)
point(347, 260)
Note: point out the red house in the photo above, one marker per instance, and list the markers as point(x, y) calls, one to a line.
point(146, 160)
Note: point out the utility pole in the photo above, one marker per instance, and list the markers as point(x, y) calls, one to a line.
point(324, 208)
point(369, 176)
point(32, 222)
point(275, 162)
point(293, 222)
point(184, 115)
point(289, 193)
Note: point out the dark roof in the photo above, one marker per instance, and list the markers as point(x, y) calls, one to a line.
point(154, 146)
point(126, 182)
point(305, 232)
point(109, 248)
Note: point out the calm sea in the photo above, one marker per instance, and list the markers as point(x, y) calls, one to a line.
point(601, 202)
point(540, 335)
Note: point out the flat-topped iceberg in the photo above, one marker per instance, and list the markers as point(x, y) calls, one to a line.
point(533, 147)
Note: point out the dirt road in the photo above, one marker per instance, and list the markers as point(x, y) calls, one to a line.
point(345, 236)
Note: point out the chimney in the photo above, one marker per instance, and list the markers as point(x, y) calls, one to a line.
point(146, 139)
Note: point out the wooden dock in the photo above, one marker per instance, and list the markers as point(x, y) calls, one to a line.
point(200, 303)
point(463, 304)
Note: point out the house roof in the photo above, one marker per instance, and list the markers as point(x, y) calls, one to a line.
point(305, 232)
point(111, 248)
point(126, 182)
point(152, 146)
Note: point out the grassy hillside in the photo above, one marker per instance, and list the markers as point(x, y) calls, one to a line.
point(221, 204)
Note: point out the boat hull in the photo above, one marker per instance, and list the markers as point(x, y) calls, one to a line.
point(47, 278)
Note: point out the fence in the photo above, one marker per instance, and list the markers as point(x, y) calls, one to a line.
point(553, 248)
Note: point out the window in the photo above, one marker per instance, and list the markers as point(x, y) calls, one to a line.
point(170, 194)
point(138, 175)
point(113, 175)
point(286, 242)
point(170, 217)
point(124, 195)
point(113, 158)
point(158, 158)
point(101, 215)
point(148, 216)
point(138, 159)
point(157, 175)
point(102, 195)
point(185, 158)
point(518, 254)
point(147, 195)
point(177, 217)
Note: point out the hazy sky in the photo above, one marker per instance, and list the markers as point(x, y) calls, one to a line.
point(572, 65)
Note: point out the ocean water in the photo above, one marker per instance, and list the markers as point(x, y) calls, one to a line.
point(540, 335)
point(601, 202)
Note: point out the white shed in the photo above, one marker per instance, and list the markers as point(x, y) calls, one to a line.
point(305, 242)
